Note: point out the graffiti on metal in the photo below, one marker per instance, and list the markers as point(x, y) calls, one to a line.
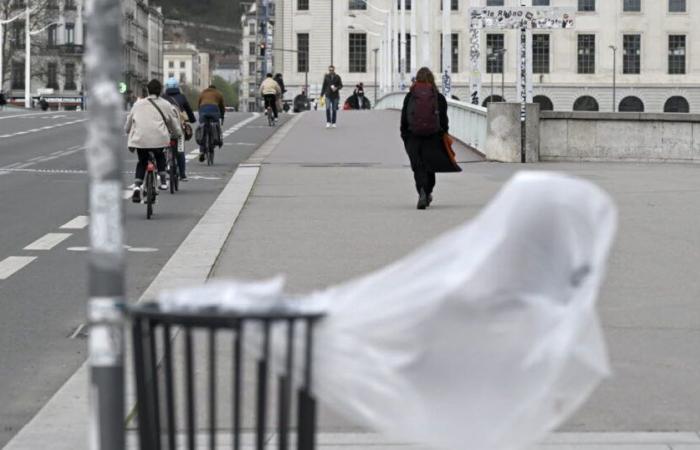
point(519, 17)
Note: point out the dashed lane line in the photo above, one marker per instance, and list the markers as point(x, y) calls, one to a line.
point(28, 115)
point(48, 241)
point(78, 223)
point(12, 264)
point(35, 130)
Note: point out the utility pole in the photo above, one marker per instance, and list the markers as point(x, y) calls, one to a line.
point(446, 49)
point(426, 38)
point(414, 39)
point(332, 29)
point(105, 144)
point(27, 59)
point(614, 100)
point(375, 50)
point(402, 45)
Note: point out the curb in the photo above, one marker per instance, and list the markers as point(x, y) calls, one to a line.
point(62, 423)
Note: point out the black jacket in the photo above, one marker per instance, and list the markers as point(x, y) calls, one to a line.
point(442, 109)
point(174, 96)
point(280, 81)
point(328, 80)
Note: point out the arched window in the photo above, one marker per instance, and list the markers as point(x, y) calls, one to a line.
point(677, 105)
point(586, 103)
point(544, 101)
point(492, 98)
point(631, 104)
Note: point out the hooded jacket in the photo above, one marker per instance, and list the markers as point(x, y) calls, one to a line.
point(174, 95)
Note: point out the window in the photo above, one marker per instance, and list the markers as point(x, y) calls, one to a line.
point(171, 74)
point(252, 90)
point(586, 53)
point(586, 5)
point(52, 76)
point(302, 5)
point(676, 6)
point(631, 104)
point(407, 5)
point(183, 78)
point(454, 5)
point(18, 35)
point(676, 54)
point(544, 101)
point(358, 52)
point(455, 53)
point(69, 84)
point(303, 55)
point(18, 75)
point(492, 99)
point(171, 64)
point(70, 4)
point(251, 28)
point(631, 53)
point(52, 39)
point(586, 103)
point(494, 3)
point(357, 4)
point(540, 53)
point(677, 105)
point(251, 48)
point(70, 33)
point(494, 54)
point(540, 2)
point(632, 5)
point(407, 66)
point(182, 64)
point(251, 69)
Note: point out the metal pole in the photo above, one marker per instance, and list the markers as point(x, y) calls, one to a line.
point(332, 29)
point(614, 100)
point(446, 49)
point(2, 57)
point(402, 44)
point(425, 24)
point(414, 39)
point(27, 60)
point(375, 75)
point(503, 74)
point(105, 144)
point(492, 58)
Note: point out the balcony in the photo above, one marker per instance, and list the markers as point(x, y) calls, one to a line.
point(71, 49)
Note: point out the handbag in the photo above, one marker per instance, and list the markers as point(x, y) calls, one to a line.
point(447, 141)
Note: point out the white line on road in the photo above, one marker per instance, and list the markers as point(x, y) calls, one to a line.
point(12, 264)
point(48, 241)
point(42, 128)
point(78, 223)
point(24, 115)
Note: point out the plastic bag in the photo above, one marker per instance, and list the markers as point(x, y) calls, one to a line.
point(322, 102)
point(486, 338)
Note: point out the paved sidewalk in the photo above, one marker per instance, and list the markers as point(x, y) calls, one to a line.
point(329, 205)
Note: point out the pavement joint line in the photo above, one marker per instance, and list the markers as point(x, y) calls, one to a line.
point(48, 241)
point(13, 264)
point(77, 223)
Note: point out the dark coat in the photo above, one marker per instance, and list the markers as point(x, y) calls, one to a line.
point(433, 151)
point(280, 81)
point(328, 80)
point(174, 96)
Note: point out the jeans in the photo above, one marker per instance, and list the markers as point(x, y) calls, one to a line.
point(331, 109)
point(143, 163)
point(207, 114)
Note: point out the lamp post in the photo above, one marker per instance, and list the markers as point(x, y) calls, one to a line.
point(375, 50)
point(614, 49)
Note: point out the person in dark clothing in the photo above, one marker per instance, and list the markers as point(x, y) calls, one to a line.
point(332, 84)
point(175, 96)
point(358, 100)
point(280, 81)
point(423, 123)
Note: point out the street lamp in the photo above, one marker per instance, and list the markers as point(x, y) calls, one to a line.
point(375, 50)
point(614, 49)
point(502, 52)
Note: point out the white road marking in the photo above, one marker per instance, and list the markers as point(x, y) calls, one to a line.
point(78, 223)
point(77, 331)
point(48, 241)
point(42, 128)
point(190, 157)
point(24, 115)
point(12, 264)
point(126, 247)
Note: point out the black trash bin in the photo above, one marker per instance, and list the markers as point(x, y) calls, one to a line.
point(155, 374)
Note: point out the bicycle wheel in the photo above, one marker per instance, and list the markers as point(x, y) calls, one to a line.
point(172, 171)
point(150, 193)
point(210, 149)
point(270, 119)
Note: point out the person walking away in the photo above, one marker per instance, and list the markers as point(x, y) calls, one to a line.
point(151, 126)
point(423, 123)
point(332, 84)
point(211, 108)
point(280, 98)
point(175, 96)
point(270, 90)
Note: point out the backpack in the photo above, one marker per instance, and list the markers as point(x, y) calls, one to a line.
point(422, 111)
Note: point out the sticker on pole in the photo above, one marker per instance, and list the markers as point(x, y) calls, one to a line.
point(106, 233)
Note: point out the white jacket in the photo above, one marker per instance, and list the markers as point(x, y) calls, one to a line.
point(270, 87)
point(145, 126)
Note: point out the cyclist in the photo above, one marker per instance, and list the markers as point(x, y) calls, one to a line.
point(211, 109)
point(150, 125)
point(270, 90)
point(174, 96)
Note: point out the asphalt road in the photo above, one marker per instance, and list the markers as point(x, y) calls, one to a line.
point(43, 243)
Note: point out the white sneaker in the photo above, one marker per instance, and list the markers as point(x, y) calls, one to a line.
point(328, 125)
point(163, 186)
point(334, 126)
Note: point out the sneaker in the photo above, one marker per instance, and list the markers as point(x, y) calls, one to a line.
point(184, 178)
point(202, 157)
point(163, 186)
point(328, 125)
point(136, 196)
point(334, 126)
point(422, 200)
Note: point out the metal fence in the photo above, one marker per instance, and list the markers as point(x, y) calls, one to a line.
point(156, 371)
point(468, 123)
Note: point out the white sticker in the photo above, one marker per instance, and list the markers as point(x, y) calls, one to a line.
point(106, 233)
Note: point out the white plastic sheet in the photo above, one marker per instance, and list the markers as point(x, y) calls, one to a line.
point(484, 339)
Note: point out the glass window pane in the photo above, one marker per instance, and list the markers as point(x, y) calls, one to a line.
point(631, 53)
point(676, 5)
point(357, 4)
point(303, 5)
point(303, 52)
point(632, 5)
point(586, 53)
point(676, 54)
point(540, 2)
point(494, 53)
point(586, 5)
point(540, 53)
point(358, 52)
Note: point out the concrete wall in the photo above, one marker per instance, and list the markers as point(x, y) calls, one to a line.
point(583, 136)
point(503, 136)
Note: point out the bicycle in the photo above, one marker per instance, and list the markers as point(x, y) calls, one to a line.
point(173, 169)
point(149, 189)
point(270, 116)
point(208, 139)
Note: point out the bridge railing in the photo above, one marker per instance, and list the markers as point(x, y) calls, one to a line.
point(468, 122)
